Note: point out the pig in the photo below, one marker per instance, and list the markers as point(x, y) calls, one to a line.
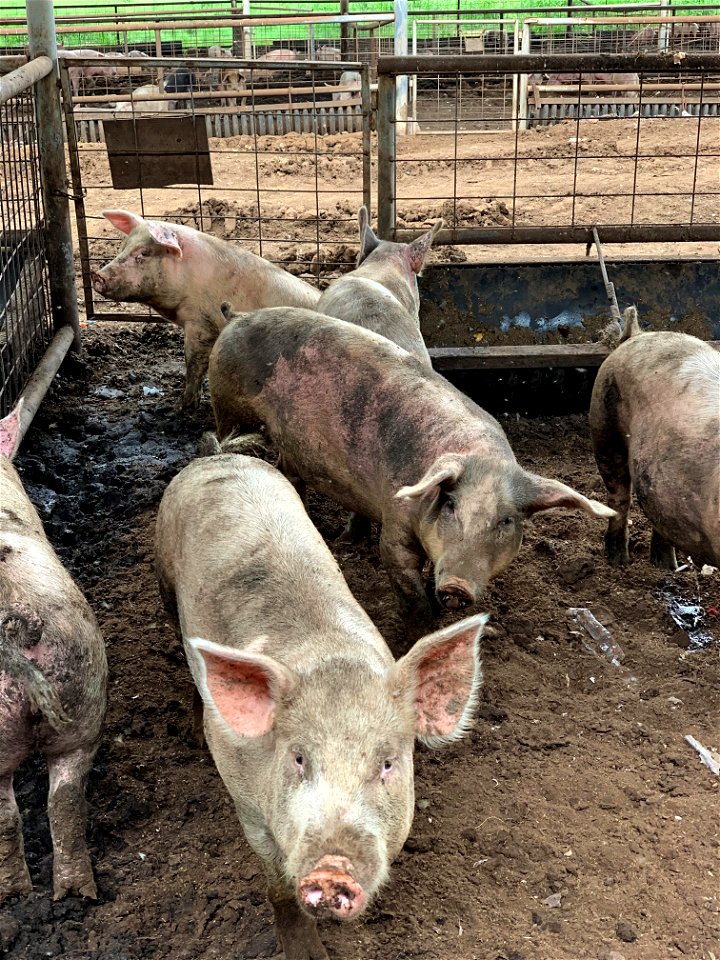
point(381, 294)
point(79, 74)
point(662, 442)
point(348, 78)
point(53, 679)
point(144, 106)
point(185, 275)
point(369, 425)
point(310, 720)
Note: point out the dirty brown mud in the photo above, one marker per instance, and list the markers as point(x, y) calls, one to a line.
point(574, 822)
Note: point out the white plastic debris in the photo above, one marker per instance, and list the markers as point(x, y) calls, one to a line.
point(706, 570)
point(554, 900)
point(602, 640)
point(711, 758)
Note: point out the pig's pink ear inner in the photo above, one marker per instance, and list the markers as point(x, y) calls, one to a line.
point(166, 238)
point(123, 220)
point(243, 689)
point(443, 670)
point(418, 250)
point(10, 432)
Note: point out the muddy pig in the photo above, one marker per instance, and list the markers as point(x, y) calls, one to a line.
point(367, 424)
point(309, 719)
point(185, 275)
point(655, 423)
point(53, 677)
point(381, 294)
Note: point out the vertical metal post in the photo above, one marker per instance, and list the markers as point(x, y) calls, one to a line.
point(401, 49)
point(523, 85)
point(61, 268)
point(159, 53)
point(387, 105)
point(247, 32)
point(345, 32)
point(366, 107)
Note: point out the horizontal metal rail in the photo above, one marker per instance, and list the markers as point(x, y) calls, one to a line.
point(205, 63)
point(505, 64)
point(24, 77)
point(620, 233)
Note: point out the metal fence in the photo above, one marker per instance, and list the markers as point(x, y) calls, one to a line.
point(286, 179)
point(25, 320)
point(639, 162)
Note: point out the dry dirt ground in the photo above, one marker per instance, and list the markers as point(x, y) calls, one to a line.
point(307, 190)
point(574, 822)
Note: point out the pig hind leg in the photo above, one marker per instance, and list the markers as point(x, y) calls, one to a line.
point(72, 869)
point(611, 455)
point(662, 552)
point(14, 875)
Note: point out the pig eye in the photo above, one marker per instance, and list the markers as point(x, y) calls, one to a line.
point(387, 768)
point(449, 505)
point(299, 763)
point(505, 523)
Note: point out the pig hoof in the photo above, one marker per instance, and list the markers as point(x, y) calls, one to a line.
point(82, 886)
point(329, 888)
point(19, 886)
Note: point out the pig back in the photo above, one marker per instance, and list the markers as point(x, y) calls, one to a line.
point(268, 583)
point(351, 412)
point(369, 304)
point(70, 653)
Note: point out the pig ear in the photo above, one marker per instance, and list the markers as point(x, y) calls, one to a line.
point(444, 673)
point(419, 249)
point(539, 493)
point(445, 472)
point(165, 237)
point(123, 220)
point(243, 689)
point(10, 432)
point(227, 309)
point(368, 240)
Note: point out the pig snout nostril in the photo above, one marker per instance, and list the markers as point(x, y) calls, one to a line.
point(455, 596)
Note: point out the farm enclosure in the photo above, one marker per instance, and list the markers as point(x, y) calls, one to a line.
point(575, 821)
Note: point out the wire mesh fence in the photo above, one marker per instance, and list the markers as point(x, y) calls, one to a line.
point(25, 317)
point(633, 149)
point(286, 177)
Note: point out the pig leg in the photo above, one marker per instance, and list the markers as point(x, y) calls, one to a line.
point(199, 340)
point(403, 559)
point(14, 875)
point(357, 529)
point(297, 931)
point(662, 552)
point(612, 459)
point(72, 870)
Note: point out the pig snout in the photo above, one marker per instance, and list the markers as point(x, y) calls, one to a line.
point(98, 281)
point(455, 594)
point(330, 888)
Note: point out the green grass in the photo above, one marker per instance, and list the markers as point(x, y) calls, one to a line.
point(266, 35)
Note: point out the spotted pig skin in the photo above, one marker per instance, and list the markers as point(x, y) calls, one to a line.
point(362, 420)
point(655, 423)
point(70, 655)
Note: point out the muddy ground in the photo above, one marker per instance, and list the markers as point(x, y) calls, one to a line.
point(574, 822)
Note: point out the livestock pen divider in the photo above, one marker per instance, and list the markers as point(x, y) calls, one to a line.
point(38, 305)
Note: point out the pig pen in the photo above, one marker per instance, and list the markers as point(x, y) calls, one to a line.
point(574, 821)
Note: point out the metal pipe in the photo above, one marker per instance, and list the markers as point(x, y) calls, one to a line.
point(43, 375)
point(550, 63)
point(632, 233)
point(51, 150)
point(386, 157)
point(609, 286)
point(366, 99)
point(226, 63)
point(76, 174)
point(400, 47)
point(24, 77)
point(10, 63)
